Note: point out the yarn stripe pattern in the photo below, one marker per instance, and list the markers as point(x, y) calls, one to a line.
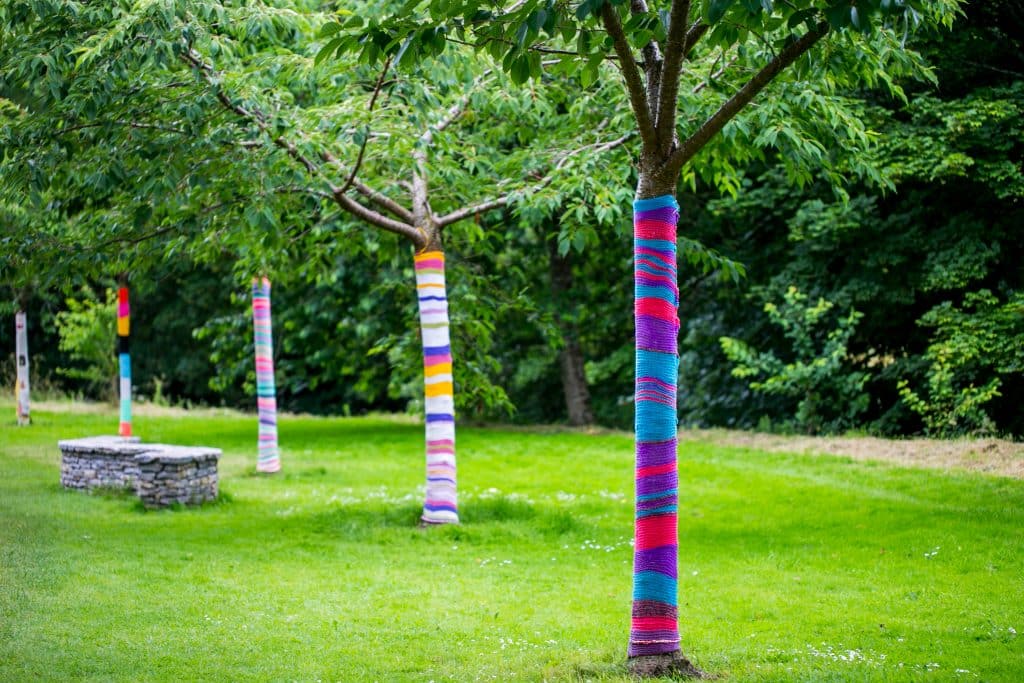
point(124, 361)
point(655, 619)
point(21, 388)
point(269, 457)
point(441, 504)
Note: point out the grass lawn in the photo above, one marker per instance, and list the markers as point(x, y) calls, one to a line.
point(792, 568)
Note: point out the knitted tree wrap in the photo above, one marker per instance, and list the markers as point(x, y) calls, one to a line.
point(655, 623)
point(268, 458)
point(441, 505)
point(124, 361)
point(21, 391)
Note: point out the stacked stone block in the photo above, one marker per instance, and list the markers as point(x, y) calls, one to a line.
point(159, 474)
point(99, 462)
point(177, 474)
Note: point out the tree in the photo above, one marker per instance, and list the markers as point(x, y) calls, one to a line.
point(742, 47)
point(157, 124)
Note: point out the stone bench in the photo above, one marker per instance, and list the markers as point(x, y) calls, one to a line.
point(99, 462)
point(159, 474)
point(177, 474)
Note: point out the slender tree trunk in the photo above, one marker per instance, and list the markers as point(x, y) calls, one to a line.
point(21, 358)
point(441, 504)
point(268, 455)
point(654, 634)
point(570, 358)
point(124, 362)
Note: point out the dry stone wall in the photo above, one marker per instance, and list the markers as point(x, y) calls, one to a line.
point(159, 474)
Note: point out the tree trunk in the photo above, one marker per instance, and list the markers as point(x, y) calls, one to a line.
point(21, 358)
point(268, 457)
point(441, 504)
point(124, 363)
point(570, 358)
point(574, 383)
point(654, 635)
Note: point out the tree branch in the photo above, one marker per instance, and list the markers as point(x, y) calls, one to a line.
point(503, 200)
point(631, 73)
point(206, 71)
point(366, 138)
point(742, 98)
point(675, 52)
point(653, 68)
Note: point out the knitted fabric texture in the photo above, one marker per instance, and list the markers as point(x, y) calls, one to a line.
point(441, 505)
point(268, 458)
point(124, 361)
point(655, 625)
point(21, 391)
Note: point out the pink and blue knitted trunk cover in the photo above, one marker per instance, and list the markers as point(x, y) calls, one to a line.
point(441, 504)
point(124, 362)
point(268, 459)
point(655, 619)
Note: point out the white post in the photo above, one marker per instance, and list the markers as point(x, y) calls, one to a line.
point(21, 359)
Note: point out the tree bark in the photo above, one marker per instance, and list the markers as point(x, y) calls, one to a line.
point(268, 457)
point(570, 358)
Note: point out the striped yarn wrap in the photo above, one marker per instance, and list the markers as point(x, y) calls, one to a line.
point(655, 620)
point(268, 458)
point(21, 387)
point(124, 361)
point(441, 504)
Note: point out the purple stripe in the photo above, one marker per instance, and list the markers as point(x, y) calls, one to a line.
point(638, 649)
point(437, 350)
point(656, 483)
point(440, 417)
point(662, 560)
point(666, 214)
point(655, 334)
point(658, 634)
point(651, 454)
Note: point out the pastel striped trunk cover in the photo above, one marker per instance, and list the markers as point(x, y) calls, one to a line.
point(124, 362)
point(21, 392)
point(441, 505)
point(269, 457)
point(655, 619)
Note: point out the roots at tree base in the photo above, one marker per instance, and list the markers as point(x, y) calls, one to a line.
point(667, 664)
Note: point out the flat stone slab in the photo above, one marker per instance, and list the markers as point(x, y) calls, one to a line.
point(114, 445)
point(159, 452)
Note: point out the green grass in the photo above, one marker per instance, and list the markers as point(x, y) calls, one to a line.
point(793, 568)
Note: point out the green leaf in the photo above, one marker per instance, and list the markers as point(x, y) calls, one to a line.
point(716, 9)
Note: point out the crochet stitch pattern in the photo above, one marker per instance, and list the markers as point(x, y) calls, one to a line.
point(655, 620)
point(268, 458)
point(441, 505)
point(124, 361)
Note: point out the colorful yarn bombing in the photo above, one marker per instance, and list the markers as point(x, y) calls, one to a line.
point(124, 361)
point(441, 506)
point(21, 392)
point(268, 458)
point(655, 618)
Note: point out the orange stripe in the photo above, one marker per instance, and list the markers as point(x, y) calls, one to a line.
point(440, 389)
point(439, 369)
point(429, 254)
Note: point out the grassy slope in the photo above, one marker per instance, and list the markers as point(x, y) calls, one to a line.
point(792, 568)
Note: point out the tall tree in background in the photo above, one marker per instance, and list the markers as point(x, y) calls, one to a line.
point(742, 46)
point(140, 141)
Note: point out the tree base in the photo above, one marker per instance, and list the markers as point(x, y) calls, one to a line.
point(672, 664)
point(425, 524)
